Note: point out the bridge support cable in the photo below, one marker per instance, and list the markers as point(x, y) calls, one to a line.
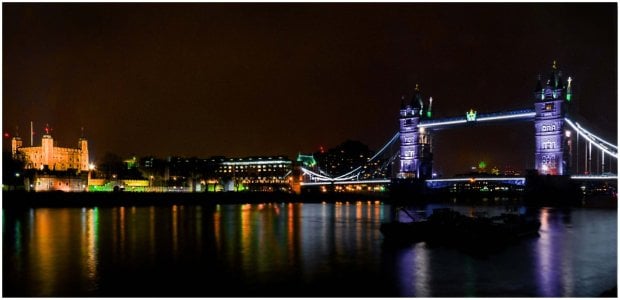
point(324, 173)
point(590, 157)
point(314, 174)
point(390, 142)
point(577, 153)
point(599, 143)
point(348, 173)
point(320, 177)
point(389, 161)
point(353, 174)
point(602, 162)
point(592, 135)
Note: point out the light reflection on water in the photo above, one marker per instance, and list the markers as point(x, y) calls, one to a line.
point(274, 249)
point(545, 257)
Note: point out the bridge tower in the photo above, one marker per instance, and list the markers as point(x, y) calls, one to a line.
point(549, 123)
point(415, 151)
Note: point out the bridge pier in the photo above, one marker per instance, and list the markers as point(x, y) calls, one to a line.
point(408, 189)
point(553, 190)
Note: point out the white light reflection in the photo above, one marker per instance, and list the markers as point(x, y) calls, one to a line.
point(414, 273)
point(544, 268)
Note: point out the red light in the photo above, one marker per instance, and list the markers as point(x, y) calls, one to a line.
point(7, 135)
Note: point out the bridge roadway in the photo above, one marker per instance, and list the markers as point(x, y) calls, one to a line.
point(438, 183)
point(517, 115)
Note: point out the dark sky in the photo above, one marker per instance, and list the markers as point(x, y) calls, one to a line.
point(241, 79)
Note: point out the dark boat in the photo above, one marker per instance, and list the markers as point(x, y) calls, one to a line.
point(405, 232)
point(449, 227)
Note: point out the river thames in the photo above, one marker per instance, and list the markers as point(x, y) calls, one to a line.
point(294, 250)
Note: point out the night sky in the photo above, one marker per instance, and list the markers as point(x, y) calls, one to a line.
point(241, 79)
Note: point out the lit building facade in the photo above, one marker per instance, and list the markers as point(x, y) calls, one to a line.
point(48, 156)
point(255, 173)
point(42, 182)
point(549, 123)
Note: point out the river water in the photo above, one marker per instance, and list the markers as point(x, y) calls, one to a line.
point(295, 250)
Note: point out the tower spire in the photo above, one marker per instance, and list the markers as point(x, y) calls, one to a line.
point(553, 76)
point(416, 100)
point(48, 129)
point(430, 106)
point(538, 84)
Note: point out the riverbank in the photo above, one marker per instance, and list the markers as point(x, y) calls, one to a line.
point(22, 199)
point(62, 199)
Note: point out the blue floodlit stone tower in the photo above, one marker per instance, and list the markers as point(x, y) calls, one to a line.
point(415, 152)
point(549, 123)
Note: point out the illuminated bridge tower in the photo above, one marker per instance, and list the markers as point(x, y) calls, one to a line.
point(415, 154)
point(549, 123)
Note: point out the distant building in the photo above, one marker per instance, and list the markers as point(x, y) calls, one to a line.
point(342, 158)
point(255, 173)
point(48, 156)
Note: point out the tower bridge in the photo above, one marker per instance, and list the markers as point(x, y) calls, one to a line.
point(557, 139)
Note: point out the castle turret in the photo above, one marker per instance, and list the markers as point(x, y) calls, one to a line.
point(84, 160)
point(16, 143)
point(47, 149)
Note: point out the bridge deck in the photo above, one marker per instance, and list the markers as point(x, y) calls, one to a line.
point(517, 115)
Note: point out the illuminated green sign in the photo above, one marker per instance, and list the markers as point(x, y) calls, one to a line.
point(471, 115)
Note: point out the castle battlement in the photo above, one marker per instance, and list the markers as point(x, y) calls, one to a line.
point(49, 156)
